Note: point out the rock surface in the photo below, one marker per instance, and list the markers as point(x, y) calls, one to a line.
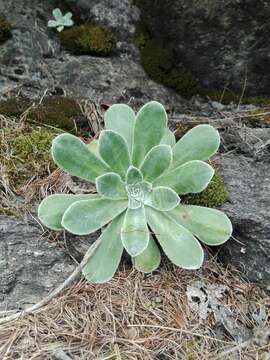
point(246, 174)
point(224, 43)
point(32, 61)
point(32, 265)
point(29, 266)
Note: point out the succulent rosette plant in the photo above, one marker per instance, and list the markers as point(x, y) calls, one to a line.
point(139, 170)
point(60, 20)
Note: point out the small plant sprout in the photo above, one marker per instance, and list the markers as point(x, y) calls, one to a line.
point(139, 171)
point(60, 20)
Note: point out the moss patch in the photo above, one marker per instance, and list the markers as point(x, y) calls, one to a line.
point(5, 28)
point(160, 64)
point(61, 112)
point(213, 196)
point(58, 111)
point(227, 97)
point(88, 39)
point(25, 154)
point(14, 107)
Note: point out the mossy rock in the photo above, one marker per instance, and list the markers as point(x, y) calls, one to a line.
point(5, 28)
point(213, 196)
point(25, 154)
point(58, 111)
point(88, 39)
point(161, 65)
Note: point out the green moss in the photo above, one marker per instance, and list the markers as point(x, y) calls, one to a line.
point(57, 111)
point(5, 28)
point(160, 64)
point(213, 196)
point(227, 97)
point(25, 154)
point(87, 39)
point(14, 107)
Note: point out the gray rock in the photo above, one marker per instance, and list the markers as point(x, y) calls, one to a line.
point(224, 43)
point(32, 61)
point(30, 265)
point(247, 178)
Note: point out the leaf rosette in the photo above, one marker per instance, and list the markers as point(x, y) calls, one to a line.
point(140, 172)
point(60, 20)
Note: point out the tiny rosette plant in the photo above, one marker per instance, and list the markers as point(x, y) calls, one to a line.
point(60, 20)
point(139, 170)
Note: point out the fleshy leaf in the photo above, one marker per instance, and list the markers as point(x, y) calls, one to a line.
point(191, 177)
point(211, 226)
point(93, 147)
point(162, 198)
point(103, 264)
point(168, 138)
point(133, 176)
point(150, 125)
point(52, 208)
point(157, 160)
point(68, 15)
point(60, 28)
point(199, 143)
point(121, 119)
point(149, 259)
point(52, 23)
point(68, 22)
point(73, 156)
point(57, 13)
point(111, 186)
point(134, 232)
point(181, 247)
point(85, 217)
point(114, 151)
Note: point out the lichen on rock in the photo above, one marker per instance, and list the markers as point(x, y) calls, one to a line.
point(88, 38)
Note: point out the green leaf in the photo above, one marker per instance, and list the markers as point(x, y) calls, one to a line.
point(52, 23)
point(121, 119)
point(113, 149)
point(157, 160)
point(134, 232)
point(101, 267)
point(111, 186)
point(52, 208)
point(168, 138)
point(93, 147)
point(211, 226)
point(191, 177)
point(149, 259)
point(57, 13)
point(162, 198)
point(199, 143)
point(150, 125)
point(73, 156)
point(133, 176)
point(181, 247)
point(85, 217)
